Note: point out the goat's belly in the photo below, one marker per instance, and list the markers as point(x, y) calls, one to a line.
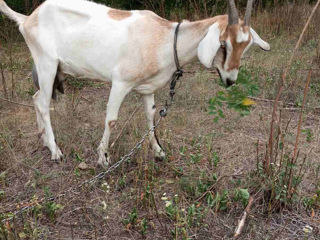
point(81, 72)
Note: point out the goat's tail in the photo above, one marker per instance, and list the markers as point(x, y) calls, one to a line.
point(17, 17)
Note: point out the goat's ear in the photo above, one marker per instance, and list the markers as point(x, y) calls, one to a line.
point(209, 46)
point(257, 40)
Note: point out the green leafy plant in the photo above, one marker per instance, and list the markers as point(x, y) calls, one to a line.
point(308, 133)
point(235, 97)
point(182, 218)
point(195, 158)
point(132, 219)
point(313, 201)
point(220, 201)
point(144, 226)
point(50, 207)
point(242, 195)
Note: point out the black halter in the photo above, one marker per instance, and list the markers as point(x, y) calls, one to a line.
point(176, 75)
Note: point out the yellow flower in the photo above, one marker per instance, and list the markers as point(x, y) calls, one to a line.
point(248, 102)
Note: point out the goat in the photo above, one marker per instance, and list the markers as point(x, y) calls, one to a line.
point(131, 49)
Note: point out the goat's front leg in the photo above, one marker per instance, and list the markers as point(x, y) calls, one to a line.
point(150, 110)
point(117, 94)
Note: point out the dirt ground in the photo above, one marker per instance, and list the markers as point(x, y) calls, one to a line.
point(128, 203)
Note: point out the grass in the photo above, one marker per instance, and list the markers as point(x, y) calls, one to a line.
point(144, 198)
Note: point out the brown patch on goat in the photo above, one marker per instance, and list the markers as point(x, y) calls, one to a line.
point(202, 26)
point(119, 15)
point(148, 34)
point(237, 48)
point(161, 21)
point(112, 123)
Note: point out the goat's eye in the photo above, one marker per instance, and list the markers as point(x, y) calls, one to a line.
point(223, 44)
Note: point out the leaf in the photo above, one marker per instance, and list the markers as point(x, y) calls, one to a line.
point(248, 102)
point(22, 235)
point(169, 181)
point(244, 193)
point(312, 213)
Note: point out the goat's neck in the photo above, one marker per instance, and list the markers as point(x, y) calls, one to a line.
point(190, 35)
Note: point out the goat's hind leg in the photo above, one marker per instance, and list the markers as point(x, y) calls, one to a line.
point(47, 70)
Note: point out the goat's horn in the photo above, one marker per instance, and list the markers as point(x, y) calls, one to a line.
point(233, 13)
point(247, 17)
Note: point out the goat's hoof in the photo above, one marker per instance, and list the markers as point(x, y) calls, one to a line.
point(57, 156)
point(160, 155)
point(104, 161)
point(102, 164)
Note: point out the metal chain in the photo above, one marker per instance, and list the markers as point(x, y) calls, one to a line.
point(127, 156)
point(163, 113)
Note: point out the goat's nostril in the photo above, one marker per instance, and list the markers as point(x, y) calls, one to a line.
point(229, 82)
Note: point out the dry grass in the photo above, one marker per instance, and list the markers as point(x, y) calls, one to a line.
point(191, 139)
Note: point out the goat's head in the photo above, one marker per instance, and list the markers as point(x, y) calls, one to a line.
point(223, 46)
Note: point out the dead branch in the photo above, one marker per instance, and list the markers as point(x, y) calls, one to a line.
point(243, 218)
point(301, 112)
point(299, 128)
point(125, 125)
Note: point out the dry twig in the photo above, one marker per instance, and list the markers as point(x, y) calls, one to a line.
point(243, 218)
point(125, 125)
point(295, 151)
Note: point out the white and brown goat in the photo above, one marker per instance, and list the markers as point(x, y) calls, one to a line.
point(131, 49)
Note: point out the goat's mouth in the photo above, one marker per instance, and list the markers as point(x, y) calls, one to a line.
point(226, 82)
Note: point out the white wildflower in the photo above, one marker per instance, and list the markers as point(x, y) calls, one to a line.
point(106, 187)
point(104, 205)
point(307, 229)
point(168, 203)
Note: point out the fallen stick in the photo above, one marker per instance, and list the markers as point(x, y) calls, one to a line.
point(243, 218)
